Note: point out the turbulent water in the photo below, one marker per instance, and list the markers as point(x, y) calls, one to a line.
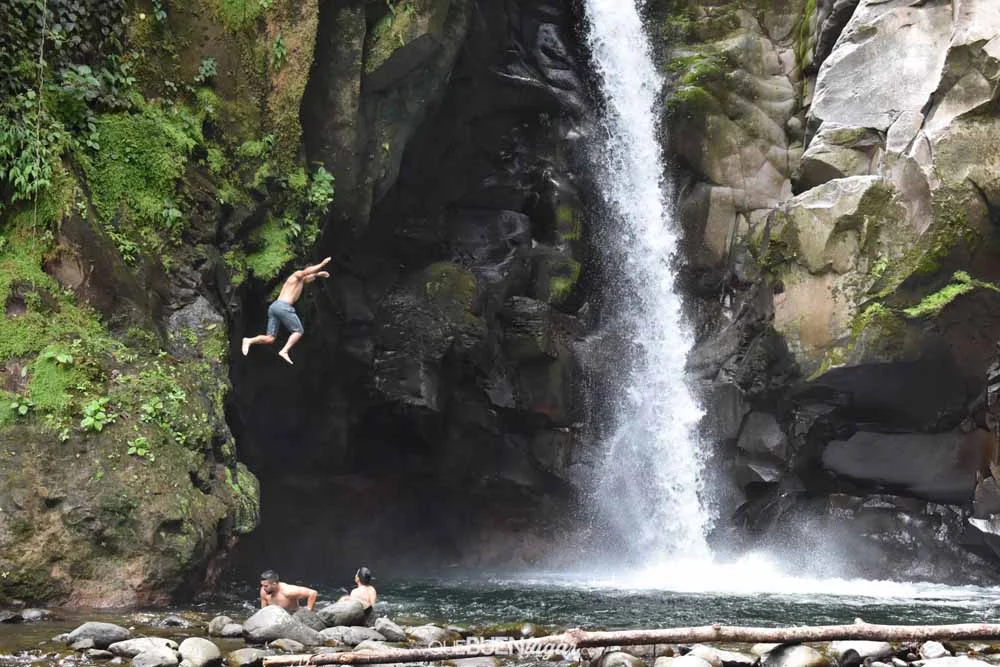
point(648, 489)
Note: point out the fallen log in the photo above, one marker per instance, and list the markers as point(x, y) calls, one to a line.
point(578, 639)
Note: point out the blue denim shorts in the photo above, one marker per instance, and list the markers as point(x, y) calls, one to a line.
point(282, 312)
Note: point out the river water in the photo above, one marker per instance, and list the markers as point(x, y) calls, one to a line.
point(497, 606)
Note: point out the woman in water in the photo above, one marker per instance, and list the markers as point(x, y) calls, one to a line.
point(363, 592)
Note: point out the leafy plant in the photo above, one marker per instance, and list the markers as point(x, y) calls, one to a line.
point(21, 406)
point(320, 194)
point(159, 13)
point(61, 357)
point(141, 447)
point(206, 71)
point(279, 52)
point(96, 415)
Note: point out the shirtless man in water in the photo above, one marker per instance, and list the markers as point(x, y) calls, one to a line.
point(282, 311)
point(283, 595)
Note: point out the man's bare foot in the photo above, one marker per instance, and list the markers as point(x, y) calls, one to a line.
point(246, 346)
point(284, 355)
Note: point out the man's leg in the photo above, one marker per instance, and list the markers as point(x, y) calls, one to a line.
point(268, 338)
point(256, 340)
point(292, 340)
point(291, 320)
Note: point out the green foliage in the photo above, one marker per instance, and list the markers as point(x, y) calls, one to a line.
point(134, 178)
point(320, 194)
point(273, 250)
point(21, 406)
point(141, 447)
point(279, 52)
point(97, 415)
point(60, 62)
point(207, 71)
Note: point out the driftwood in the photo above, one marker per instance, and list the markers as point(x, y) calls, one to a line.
point(578, 639)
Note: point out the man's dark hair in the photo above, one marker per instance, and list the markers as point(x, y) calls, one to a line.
point(269, 575)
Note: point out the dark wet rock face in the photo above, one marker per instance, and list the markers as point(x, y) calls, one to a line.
point(434, 398)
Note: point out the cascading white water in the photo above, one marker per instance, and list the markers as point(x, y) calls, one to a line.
point(650, 484)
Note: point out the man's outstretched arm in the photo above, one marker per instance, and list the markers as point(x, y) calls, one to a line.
point(315, 268)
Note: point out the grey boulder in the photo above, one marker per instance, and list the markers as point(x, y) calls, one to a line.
point(794, 655)
point(160, 656)
point(102, 634)
point(216, 624)
point(287, 645)
point(865, 649)
point(389, 630)
point(343, 612)
point(247, 657)
point(199, 652)
point(130, 648)
point(273, 622)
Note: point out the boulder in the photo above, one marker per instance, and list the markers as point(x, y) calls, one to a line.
point(309, 618)
point(721, 658)
point(838, 151)
point(357, 634)
point(761, 434)
point(161, 656)
point(389, 630)
point(247, 657)
point(940, 467)
point(343, 612)
point(889, 59)
point(427, 635)
point(98, 654)
point(795, 655)
point(8, 616)
point(84, 644)
point(932, 650)
point(287, 645)
point(216, 624)
point(102, 634)
point(956, 661)
point(706, 653)
point(864, 649)
point(231, 630)
point(336, 635)
point(273, 622)
point(682, 661)
point(34, 615)
point(173, 621)
point(621, 659)
point(130, 648)
point(372, 645)
point(199, 652)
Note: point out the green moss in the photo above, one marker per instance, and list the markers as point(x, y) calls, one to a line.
point(564, 277)
point(133, 178)
point(239, 14)
point(246, 491)
point(449, 283)
point(273, 250)
point(803, 55)
point(932, 304)
point(51, 384)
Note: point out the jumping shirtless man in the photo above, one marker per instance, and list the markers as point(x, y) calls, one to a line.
point(283, 310)
point(283, 595)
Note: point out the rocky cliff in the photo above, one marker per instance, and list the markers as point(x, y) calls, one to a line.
point(840, 172)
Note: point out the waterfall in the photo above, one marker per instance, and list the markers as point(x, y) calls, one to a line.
point(649, 485)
